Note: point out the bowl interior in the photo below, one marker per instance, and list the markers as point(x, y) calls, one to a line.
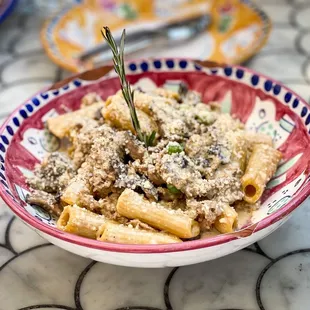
point(261, 103)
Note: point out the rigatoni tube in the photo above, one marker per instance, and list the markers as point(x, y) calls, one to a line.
point(253, 138)
point(239, 152)
point(134, 206)
point(262, 165)
point(73, 190)
point(226, 221)
point(117, 233)
point(62, 124)
point(79, 221)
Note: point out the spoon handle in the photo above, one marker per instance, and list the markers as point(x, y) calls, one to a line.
point(132, 47)
point(134, 42)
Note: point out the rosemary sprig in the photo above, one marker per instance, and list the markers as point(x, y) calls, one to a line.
point(128, 94)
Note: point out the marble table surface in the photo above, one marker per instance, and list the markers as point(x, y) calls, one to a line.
point(273, 274)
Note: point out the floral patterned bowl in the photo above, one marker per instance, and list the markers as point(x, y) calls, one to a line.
point(263, 104)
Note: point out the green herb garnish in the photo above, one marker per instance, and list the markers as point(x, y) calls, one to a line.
point(128, 94)
point(172, 189)
point(174, 148)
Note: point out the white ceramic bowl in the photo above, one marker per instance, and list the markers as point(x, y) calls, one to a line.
point(263, 104)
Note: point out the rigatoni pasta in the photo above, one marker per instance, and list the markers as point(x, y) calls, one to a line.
point(61, 125)
point(262, 166)
point(131, 205)
point(118, 116)
point(123, 234)
point(253, 138)
point(226, 221)
point(73, 190)
point(239, 152)
point(79, 221)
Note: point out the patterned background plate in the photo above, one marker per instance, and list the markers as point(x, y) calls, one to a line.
point(6, 7)
point(262, 104)
point(239, 28)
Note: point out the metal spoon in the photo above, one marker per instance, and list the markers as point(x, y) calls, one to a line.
point(170, 33)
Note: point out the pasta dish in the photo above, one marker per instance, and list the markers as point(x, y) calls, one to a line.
point(151, 168)
point(198, 173)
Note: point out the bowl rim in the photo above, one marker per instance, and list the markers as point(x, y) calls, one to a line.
point(54, 232)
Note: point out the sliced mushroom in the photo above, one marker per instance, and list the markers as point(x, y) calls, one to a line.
point(47, 201)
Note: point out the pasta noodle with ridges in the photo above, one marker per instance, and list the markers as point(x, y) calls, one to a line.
point(61, 125)
point(261, 167)
point(80, 221)
point(126, 235)
point(134, 206)
point(225, 223)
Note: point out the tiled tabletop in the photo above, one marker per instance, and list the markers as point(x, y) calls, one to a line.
point(271, 275)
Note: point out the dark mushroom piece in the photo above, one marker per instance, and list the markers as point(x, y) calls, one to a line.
point(46, 201)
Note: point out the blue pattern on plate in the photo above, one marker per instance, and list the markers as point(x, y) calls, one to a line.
point(133, 67)
point(6, 11)
point(23, 113)
point(4, 139)
point(239, 73)
point(228, 71)
point(77, 83)
point(170, 63)
point(197, 67)
point(36, 101)
point(157, 64)
point(29, 107)
point(277, 89)
point(303, 111)
point(144, 66)
point(268, 85)
point(295, 103)
point(8, 192)
point(16, 121)
point(4, 183)
point(255, 80)
point(183, 64)
point(10, 130)
point(2, 176)
point(288, 97)
point(2, 148)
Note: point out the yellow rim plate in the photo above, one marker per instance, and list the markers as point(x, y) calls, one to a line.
point(239, 28)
